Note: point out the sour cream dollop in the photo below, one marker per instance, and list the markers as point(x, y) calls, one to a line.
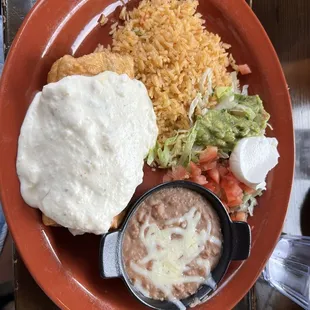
point(82, 147)
point(252, 159)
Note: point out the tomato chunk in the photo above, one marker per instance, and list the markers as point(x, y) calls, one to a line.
point(168, 176)
point(179, 173)
point(194, 169)
point(222, 170)
point(247, 189)
point(208, 166)
point(244, 69)
point(214, 175)
point(213, 187)
point(232, 190)
point(208, 155)
point(235, 203)
point(239, 216)
point(200, 179)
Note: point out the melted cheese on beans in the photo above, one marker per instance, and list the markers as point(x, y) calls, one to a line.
point(171, 256)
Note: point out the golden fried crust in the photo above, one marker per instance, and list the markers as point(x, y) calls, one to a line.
point(49, 222)
point(91, 65)
point(117, 220)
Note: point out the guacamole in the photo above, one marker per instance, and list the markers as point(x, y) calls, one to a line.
point(223, 128)
point(218, 127)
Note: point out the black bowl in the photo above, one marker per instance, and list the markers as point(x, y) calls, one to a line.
point(236, 246)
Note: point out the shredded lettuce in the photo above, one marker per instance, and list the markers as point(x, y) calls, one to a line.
point(223, 154)
point(151, 156)
point(165, 156)
point(223, 91)
point(193, 106)
point(225, 97)
point(268, 125)
point(202, 97)
point(188, 146)
point(177, 150)
point(249, 202)
point(235, 83)
point(244, 91)
point(226, 103)
point(204, 111)
point(207, 75)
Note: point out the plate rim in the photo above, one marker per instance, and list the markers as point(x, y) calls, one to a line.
point(259, 30)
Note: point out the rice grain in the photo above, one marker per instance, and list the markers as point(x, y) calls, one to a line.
point(171, 50)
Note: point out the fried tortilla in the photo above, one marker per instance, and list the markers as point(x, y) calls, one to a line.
point(117, 220)
point(91, 65)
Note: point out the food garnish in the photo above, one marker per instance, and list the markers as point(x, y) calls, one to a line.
point(220, 150)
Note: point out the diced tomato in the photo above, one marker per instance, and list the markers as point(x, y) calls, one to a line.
point(235, 203)
point(232, 190)
point(208, 166)
point(239, 216)
point(232, 216)
point(208, 155)
point(179, 173)
point(247, 189)
point(200, 179)
point(222, 170)
point(168, 176)
point(213, 187)
point(214, 175)
point(244, 69)
point(194, 169)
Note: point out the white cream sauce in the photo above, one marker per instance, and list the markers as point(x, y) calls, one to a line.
point(171, 256)
point(82, 146)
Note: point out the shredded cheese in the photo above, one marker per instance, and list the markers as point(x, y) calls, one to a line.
point(171, 256)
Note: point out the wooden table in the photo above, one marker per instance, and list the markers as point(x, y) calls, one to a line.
point(287, 23)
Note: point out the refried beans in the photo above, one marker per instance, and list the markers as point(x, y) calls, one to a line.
point(171, 244)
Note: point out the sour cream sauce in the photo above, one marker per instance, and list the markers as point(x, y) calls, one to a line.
point(82, 146)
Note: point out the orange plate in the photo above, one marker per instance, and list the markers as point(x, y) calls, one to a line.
point(66, 267)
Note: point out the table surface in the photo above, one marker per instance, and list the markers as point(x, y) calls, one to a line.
point(287, 23)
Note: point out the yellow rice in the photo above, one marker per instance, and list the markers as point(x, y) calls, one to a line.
point(171, 49)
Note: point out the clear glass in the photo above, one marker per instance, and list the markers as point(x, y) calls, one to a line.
point(288, 269)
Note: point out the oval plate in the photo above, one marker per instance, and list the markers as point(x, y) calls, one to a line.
point(66, 267)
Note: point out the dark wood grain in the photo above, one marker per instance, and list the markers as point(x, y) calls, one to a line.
point(287, 23)
point(28, 295)
point(288, 26)
point(13, 12)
